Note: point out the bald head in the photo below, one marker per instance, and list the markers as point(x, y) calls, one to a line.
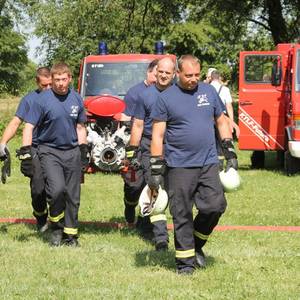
point(188, 72)
point(165, 73)
point(166, 62)
point(187, 59)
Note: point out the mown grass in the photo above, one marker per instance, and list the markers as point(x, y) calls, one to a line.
point(117, 264)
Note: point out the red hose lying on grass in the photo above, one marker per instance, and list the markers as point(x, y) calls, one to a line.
point(170, 226)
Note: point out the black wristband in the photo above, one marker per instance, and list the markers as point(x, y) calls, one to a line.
point(228, 149)
point(131, 151)
point(24, 153)
point(157, 165)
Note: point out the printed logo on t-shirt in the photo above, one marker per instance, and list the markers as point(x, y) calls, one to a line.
point(202, 100)
point(74, 111)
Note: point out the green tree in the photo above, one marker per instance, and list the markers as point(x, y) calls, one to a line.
point(71, 30)
point(279, 18)
point(13, 53)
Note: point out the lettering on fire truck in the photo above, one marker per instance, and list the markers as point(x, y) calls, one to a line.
point(255, 128)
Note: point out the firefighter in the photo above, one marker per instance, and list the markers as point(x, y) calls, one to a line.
point(133, 179)
point(186, 113)
point(62, 149)
point(141, 137)
point(37, 185)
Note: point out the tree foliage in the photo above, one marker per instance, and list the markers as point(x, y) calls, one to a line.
point(71, 30)
point(214, 30)
point(279, 18)
point(13, 53)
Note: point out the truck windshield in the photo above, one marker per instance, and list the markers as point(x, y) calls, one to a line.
point(112, 78)
point(297, 83)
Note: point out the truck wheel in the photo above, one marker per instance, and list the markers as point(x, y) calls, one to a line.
point(291, 164)
point(280, 158)
point(258, 160)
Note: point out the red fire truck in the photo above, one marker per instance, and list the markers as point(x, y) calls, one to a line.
point(103, 82)
point(269, 104)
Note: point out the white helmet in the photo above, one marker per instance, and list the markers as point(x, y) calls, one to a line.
point(153, 204)
point(230, 180)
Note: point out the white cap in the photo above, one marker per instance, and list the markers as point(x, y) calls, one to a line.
point(209, 71)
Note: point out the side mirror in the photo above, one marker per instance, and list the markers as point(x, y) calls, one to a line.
point(276, 72)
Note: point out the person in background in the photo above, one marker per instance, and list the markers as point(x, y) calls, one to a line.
point(37, 184)
point(224, 93)
point(208, 75)
point(133, 178)
point(141, 138)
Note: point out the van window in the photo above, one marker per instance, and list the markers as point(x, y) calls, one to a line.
point(258, 68)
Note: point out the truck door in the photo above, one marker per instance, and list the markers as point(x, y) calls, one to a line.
point(261, 105)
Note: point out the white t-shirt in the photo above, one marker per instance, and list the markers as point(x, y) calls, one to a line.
point(225, 92)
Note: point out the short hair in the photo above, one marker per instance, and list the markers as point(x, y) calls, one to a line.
point(42, 72)
point(187, 57)
point(60, 68)
point(152, 65)
point(215, 75)
point(209, 71)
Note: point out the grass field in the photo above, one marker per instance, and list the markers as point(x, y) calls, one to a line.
point(117, 264)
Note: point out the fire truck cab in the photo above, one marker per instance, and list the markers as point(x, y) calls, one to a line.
point(269, 104)
point(103, 82)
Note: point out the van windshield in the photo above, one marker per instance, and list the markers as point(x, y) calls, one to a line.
point(112, 78)
point(297, 77)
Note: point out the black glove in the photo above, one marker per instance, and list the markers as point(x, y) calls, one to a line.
point(25, 156)
point(3, 149)
point(132, 157)
point(157, 166)
point(229, 154)
point(84, 150)
point(6, 168)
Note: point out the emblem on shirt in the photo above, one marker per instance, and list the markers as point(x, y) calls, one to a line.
point(202, 100)
point(74, 111)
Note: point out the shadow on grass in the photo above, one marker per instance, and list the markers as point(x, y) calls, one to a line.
point(163, 259)
point(3, 229)
point(22, 236)
point(153, 258)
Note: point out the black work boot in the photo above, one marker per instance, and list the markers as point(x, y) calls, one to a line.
point(129, 213)
point(41, 223)
point(56, 237)
point(200, 260)
point(70, 240)
point(161, 246)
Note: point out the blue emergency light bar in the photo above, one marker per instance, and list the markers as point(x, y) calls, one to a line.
point(159, 47)
point(102, 48)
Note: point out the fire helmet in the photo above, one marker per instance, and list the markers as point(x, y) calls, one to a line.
point(151, 204)
point(230, 180)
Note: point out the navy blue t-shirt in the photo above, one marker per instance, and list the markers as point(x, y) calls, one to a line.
point(23, 108)
point(144, 107)
point(189, 115)
point(131, 97)
point(56, 118)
